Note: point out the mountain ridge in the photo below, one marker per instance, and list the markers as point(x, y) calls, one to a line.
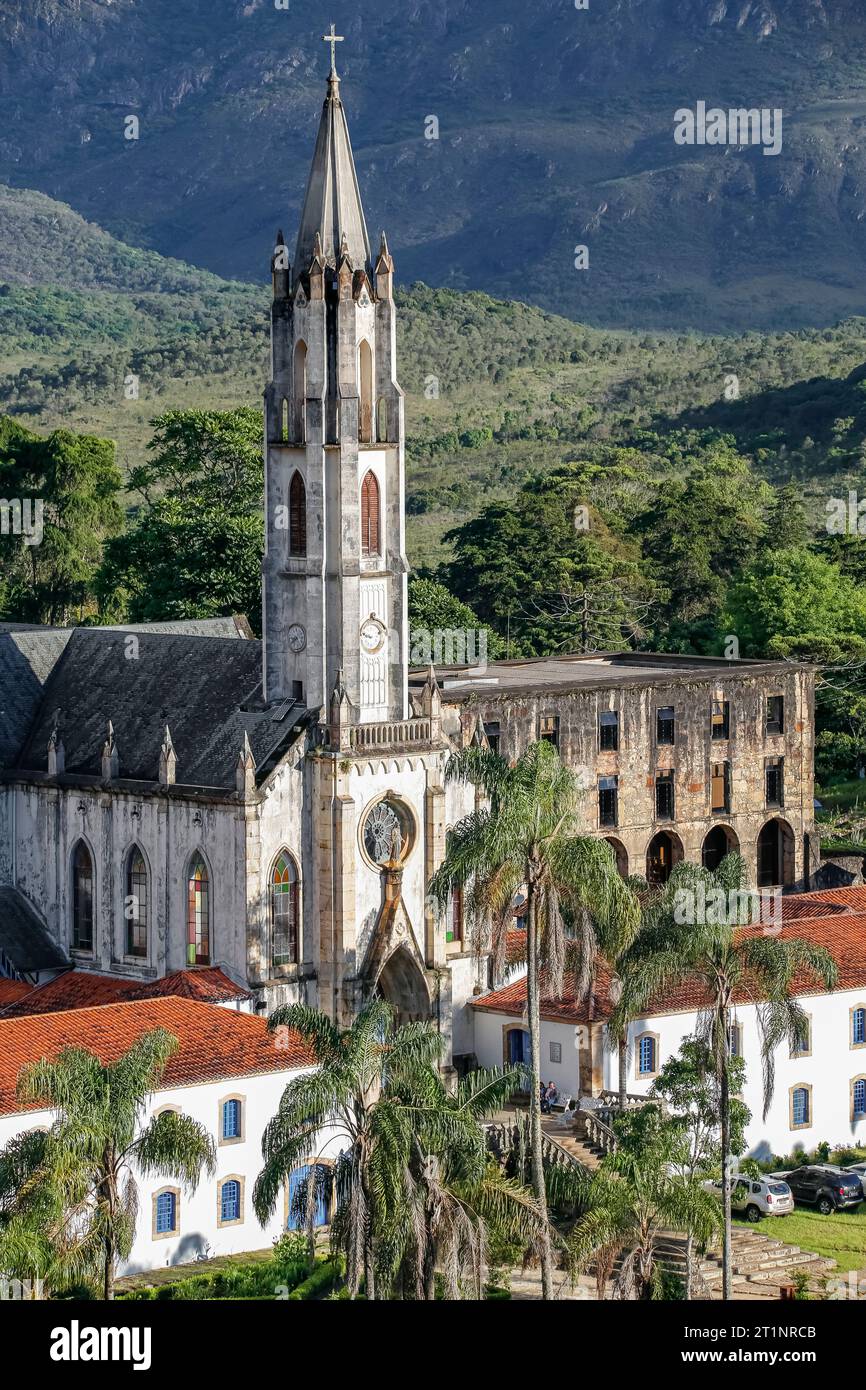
point(556, 127)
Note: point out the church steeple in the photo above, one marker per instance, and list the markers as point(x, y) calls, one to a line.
point(332, 202)
point(335, 569)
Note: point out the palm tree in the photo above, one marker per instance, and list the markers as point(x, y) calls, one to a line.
point(631, 1199)
point(528, 834)
point(730, 963)
point(413, 1185)
point(80, 1174)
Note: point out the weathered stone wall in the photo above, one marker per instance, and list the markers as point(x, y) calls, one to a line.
point(639, 757)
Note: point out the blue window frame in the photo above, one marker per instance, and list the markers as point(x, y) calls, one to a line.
point(858, 1026)
point(647, 1062)
point(230, 1200)
point(860, 1097)
point(800, 1106)
point(297, 1217)
point(232, 1119)
point(166, 1213)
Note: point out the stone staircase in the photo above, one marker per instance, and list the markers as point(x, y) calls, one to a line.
point(575, 1143)
point(761, 1265)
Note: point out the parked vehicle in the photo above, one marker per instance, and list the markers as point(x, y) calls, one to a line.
point(757, 1197)
point(825, 1186)
point(860, 1170)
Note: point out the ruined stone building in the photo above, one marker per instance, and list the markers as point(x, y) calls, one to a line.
point(182, 796)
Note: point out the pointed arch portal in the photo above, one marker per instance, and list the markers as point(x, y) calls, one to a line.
point(401, 982)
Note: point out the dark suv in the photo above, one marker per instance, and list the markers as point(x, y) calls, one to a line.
point(825, 1186)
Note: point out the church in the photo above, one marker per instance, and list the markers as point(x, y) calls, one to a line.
point(182, 797)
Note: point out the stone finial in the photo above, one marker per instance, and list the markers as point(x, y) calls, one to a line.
point(110, 765)
point(167, 760)
point(316, 269)
point(341, 715)
point(245, 771)
point(384, 271)
point(431, 702)
point(56, 751)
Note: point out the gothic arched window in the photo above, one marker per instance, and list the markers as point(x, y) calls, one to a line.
point(284, 911)
point(135, 906)
point(198, 914)
point(297, 516)
point(370, 515)
point(82, 898)
point(365, 374)
point(299, 391)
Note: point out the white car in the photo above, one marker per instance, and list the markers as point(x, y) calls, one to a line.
point(757, 1197)
point(860, 1170)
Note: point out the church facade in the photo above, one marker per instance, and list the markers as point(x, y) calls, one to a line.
point(184, 796)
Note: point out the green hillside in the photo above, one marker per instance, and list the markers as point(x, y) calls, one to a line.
point(495, 389)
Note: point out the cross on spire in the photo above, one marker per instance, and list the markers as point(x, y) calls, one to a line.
point(333, 39)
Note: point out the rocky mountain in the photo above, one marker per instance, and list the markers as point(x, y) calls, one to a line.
point(555, 129)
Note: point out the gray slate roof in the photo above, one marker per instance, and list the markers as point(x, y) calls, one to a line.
point(207, 689)
point(27, 658)
point(23, 938)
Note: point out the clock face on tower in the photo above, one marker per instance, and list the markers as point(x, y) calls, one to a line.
point(373, 635)
point(297, 638)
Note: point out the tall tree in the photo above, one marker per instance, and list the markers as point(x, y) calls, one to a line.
point(71, 483)
point(528, 834)
point(729, 962)
point(634, 1197)
point(194, 547)
point(85, 1163)
point(412, 1184)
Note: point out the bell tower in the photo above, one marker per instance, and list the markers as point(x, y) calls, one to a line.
point(334, 570)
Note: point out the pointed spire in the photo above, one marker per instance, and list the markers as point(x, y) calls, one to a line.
point(245, 771)
point(167, 760)
point(332, 202)
point(341, 715)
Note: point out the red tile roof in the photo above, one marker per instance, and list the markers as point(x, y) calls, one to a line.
point(202, 982)
point(214, 1042)
point(515, 946)
point(12, 990)
point(83, 989)
point(842, 935)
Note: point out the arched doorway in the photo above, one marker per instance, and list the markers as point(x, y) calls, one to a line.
point(720, 841)
point(402, 983)
point(620, 854)
point(775, 854)
point(663, 852)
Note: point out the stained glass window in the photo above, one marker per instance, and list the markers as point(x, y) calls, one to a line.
point(284, 912)
point(198, 915)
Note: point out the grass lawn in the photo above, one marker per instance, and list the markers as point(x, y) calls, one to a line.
point(843, 796)
point(841, 1236)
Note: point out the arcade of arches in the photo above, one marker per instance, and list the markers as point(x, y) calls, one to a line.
point(776, 866)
